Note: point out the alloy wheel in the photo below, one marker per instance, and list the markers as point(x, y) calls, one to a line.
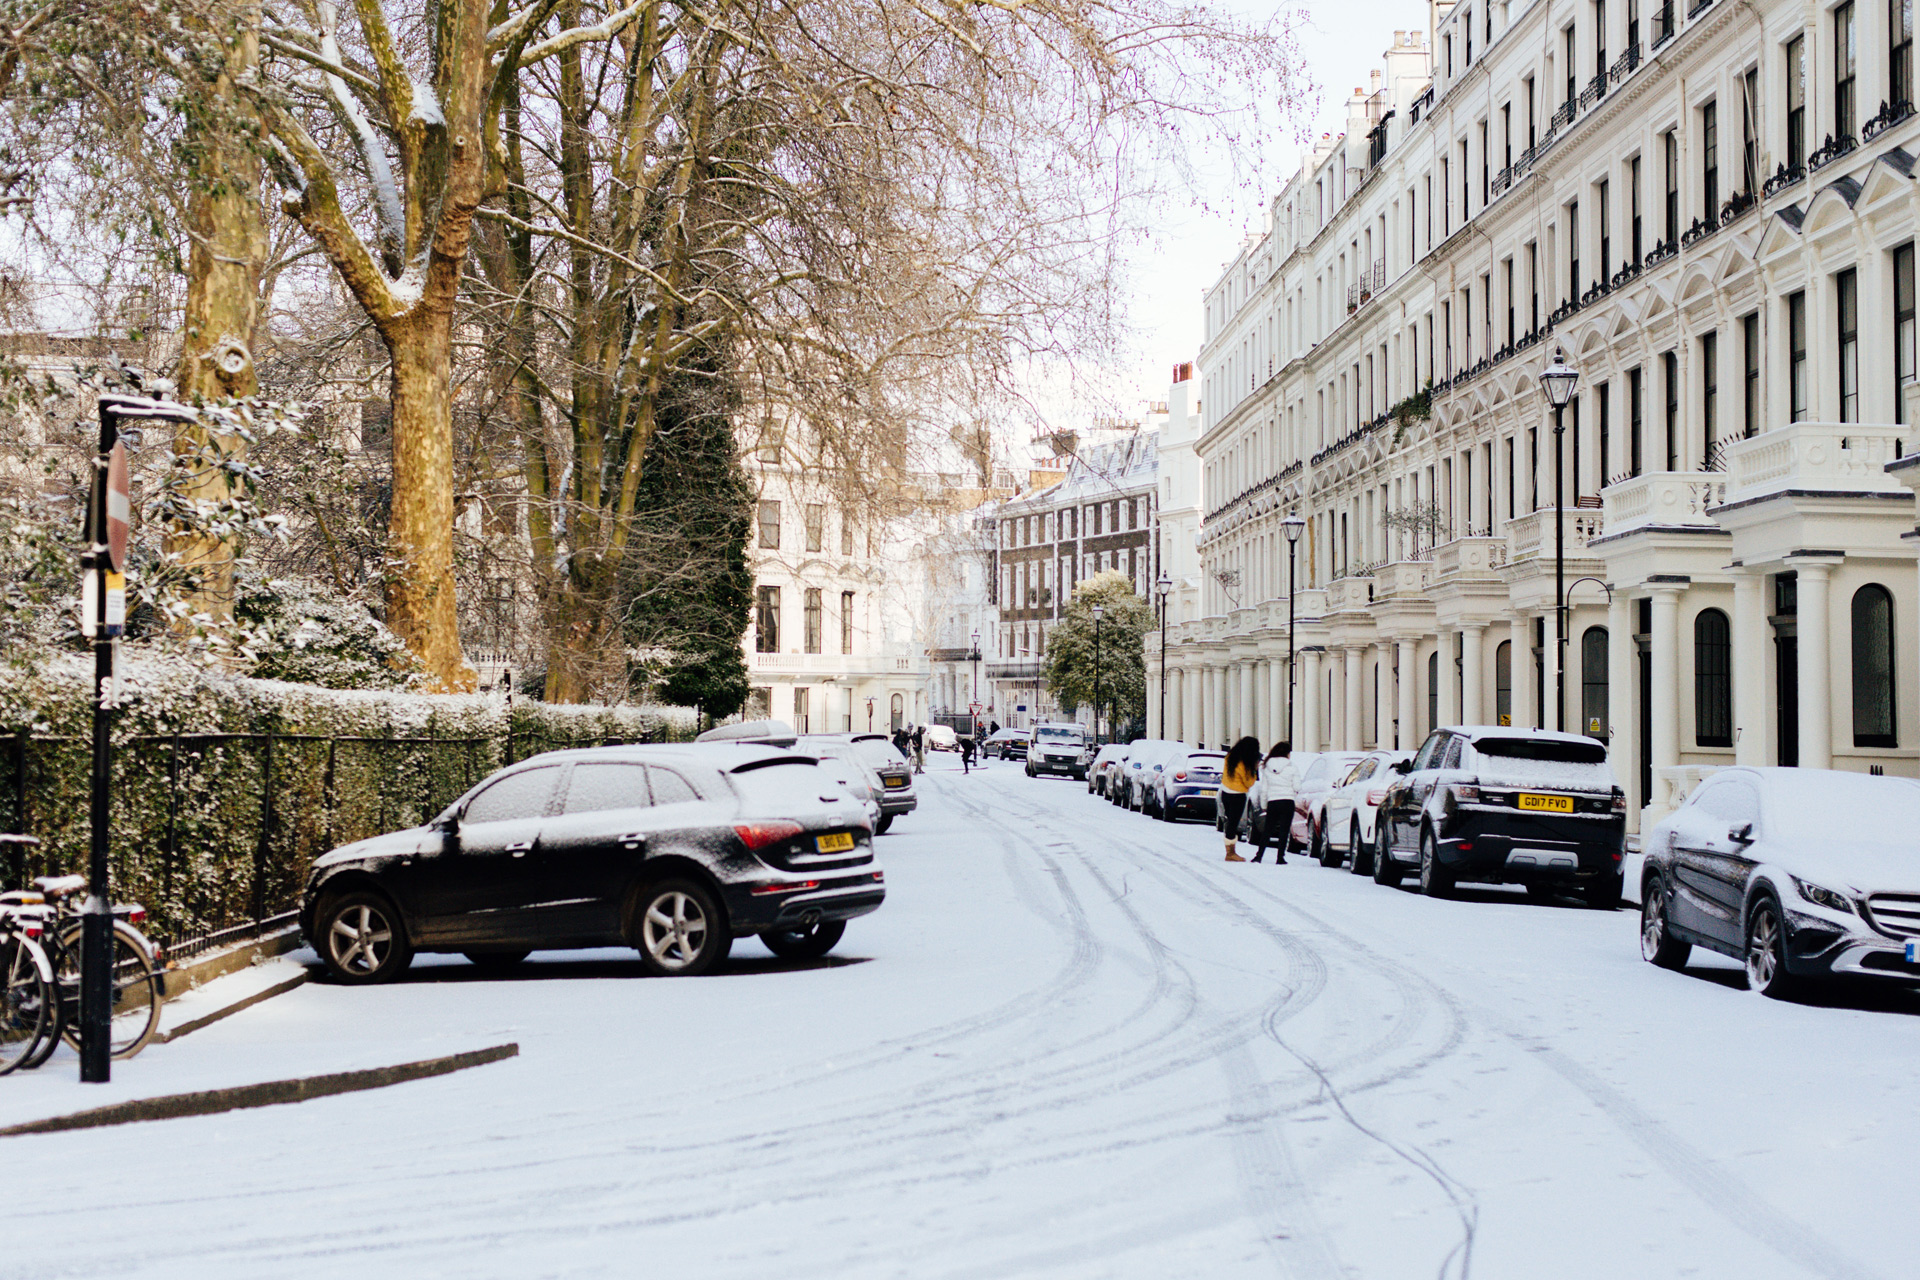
point(1653, 927)
point(1766, 971)
point(361, 939)
point(674, 930)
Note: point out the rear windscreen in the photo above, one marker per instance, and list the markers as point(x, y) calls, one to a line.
point(1554, 750)
point(878, 753)
point(782, 788)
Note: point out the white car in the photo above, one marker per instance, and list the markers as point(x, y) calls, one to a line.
point(857, 778)
point(1316, 772)
point(941, 737)
point(1802, 873)
point(1351, 810)
point(1144, 759)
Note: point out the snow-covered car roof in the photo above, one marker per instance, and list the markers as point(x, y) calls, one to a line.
point(1478, 731)
point(1803, 804)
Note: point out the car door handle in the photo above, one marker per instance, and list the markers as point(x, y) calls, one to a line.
point(519, 848)
point(633, 839)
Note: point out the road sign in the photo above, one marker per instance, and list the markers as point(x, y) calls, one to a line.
point(119, 507)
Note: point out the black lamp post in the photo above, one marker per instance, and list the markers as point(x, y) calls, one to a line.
point(1558, 379)
point(1097, 612)
point(1293, 525)
point(973, 709)
point(1163, 587)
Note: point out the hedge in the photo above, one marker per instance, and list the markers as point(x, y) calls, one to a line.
point(225, 788)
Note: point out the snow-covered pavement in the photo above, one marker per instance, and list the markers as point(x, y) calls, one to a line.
point(1073, 1043)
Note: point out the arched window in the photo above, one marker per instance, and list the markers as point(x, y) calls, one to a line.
point(1433, 690)
point(898, 711)
point(1873, 724)
point(1593, 683)
point(1503, 683)
point(1712, 680)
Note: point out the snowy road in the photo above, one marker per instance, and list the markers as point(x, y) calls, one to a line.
point(1073, 1043)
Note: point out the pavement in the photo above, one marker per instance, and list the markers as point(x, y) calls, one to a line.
point(1073, 1043)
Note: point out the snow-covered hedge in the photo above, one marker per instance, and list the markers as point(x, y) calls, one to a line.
point(226, 787)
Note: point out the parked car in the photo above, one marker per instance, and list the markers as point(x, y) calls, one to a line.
point(1006, 744)
point(1505, 806)
point(941, 737)
point(1188, 786)
point(1351, 809)
point(1317, 772)
point(1803, 873)
point(888, 776)
point(1144, 759)
point(1058, 748)
point(1105, 762)
point(673, 850)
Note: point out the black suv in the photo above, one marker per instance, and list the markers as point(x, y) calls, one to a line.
point(1506, 806)
point(673, 850)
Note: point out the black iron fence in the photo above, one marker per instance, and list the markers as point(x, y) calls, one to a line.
point(214, 832)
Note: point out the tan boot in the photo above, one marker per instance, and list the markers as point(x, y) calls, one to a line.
point(1233, 855)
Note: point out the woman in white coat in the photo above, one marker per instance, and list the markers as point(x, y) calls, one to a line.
point(1282, 783)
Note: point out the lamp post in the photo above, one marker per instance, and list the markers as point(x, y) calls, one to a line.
point(869, 713)
point(1097, 613)
point(1293, 525)
point(973, 708)
point(1558, 379)
point(1163, 587)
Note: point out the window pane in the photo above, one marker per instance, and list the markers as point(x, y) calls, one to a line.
point(1712, 680)
point(1873, 724)
point(519, 795)
point(770, 526)
point(669, 787)
point(594, 787)
point(1593, 682)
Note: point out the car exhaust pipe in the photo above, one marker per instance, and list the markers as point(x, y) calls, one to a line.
point(808, 919)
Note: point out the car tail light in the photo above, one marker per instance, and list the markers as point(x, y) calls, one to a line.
point(1377, 797)
point(758, 835)
point(879, 875)
point(762, 890)
point(1468, 792)
point(1619, 802)
point(1180, 775)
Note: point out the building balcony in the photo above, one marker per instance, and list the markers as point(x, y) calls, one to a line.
point(1403, 579)
point(1531, 537)
point(1663, 500)
point(827, 666)
point(1464, 558)
point(1836, 458)
point(1346, 595)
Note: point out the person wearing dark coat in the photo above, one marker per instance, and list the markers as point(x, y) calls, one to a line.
point(966, 754)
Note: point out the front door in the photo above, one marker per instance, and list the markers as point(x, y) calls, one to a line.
point(1711, 866)
point(471, 895)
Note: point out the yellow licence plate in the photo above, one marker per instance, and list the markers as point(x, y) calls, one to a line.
point(1549, 804)
point(839, 842)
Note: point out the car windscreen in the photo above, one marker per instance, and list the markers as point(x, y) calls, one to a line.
point(878, 753)
point(1883, 812)
point(1061, 735)
point(786, 788)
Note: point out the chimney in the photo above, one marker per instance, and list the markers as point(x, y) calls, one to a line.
point(1183, 372)
point(1399, 39)
point(1373, 80)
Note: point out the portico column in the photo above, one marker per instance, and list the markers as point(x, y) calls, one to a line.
point(1277, 707)
point(1217, 706)
point(1352, 734)
point(1749, 668)
point(1206, 713)
point(1307, 720)
point(1449, 682)
point(1190, 702)
point(1520, 670)
point(1249, 682)
point(1473, 709)
point(1623, 718)
point(1665, 641)
point(1154, 727)
point(1409, 686)
point(1816, 689)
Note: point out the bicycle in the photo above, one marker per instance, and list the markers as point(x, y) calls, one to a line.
point(135, 1010)
point(28, 996)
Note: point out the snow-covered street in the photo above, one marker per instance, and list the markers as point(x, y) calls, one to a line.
point(1073, 1042)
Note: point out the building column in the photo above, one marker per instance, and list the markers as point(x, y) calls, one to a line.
point(1473, 707)
point(1623, 707)
point(1665, 642)
point(1277, 708)
point(1409, 689)
point(1154, 726)
point(1204, 713)
point(1353, 733)
point(1520, 670)
point(1750, 636)
point(1449, 681)
point(1816, 655)
point(1217, 705)
point(1308, 691)
point(1337, 700)
point(1553, 669)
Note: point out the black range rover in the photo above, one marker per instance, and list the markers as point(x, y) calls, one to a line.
point(1506, 806)
point(673, 850)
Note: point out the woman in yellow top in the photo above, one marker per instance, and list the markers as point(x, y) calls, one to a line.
point(1236, 779)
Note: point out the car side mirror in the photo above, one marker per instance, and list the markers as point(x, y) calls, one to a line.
point(1403, 767)
point(1742, 834)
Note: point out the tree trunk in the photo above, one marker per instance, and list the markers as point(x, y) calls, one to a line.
point(227, 255)
point(586, 657)
point(419, 571)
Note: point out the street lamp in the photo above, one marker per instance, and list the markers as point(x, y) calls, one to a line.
point(1292, 525)
point(1163, 587)
point(974, 709)
point(869, 713)
point(1097, 614)
point(1558, 380)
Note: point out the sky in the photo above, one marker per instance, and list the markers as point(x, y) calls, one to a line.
point(1341, 41)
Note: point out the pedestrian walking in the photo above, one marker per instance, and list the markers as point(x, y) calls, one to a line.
point(1282, 784)
point(920, 749)
point(1236, 779)
point(966, 754)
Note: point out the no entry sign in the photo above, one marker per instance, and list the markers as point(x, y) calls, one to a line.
point(118, 507)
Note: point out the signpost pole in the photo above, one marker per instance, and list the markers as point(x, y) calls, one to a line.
point(103, 563)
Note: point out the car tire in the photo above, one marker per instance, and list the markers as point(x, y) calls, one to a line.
point(678, 929)
point(1329, 856)
point(1362, 863)
point(1767, 952)
point(1434, 880)
point(886, 820)
point(809, 943)
point(1604, 894)
point(362, 939)
point(497, 961)
point(1385, 870)
point(1657, 946)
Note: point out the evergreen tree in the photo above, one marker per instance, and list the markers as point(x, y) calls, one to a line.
point(1111, 665)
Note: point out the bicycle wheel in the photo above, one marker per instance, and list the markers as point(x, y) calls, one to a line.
point(136, 991)
point(26, 1001)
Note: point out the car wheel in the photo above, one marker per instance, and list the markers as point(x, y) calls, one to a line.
point(1604, 894)
point(1362, 856)
point(1767, 952)
point(1385, 870)
point(809, 943)
point(678, 929)
point(1329, 856)
point(362, 939)
point(1434, 880)
point(880, 828)
point(1657, 946)
point(497, 961)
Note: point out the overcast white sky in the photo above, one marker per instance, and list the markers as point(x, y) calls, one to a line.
point(1342, 41)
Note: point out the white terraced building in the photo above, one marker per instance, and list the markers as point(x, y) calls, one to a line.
point(1711, 207)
